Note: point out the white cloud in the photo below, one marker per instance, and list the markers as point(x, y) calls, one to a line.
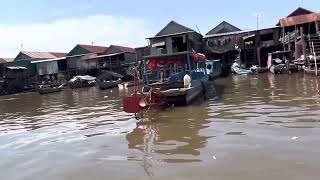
point(64, 34)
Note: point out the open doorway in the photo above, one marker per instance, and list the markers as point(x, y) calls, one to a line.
point(179, 44)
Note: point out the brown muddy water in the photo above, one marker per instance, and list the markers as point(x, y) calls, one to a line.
point(256, 127)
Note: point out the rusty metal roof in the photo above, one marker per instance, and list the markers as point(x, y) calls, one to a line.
point(94, 49)
point(298, 20)
point(4, 60)
point(58, 54)
point(125, 49)
point(38, 55)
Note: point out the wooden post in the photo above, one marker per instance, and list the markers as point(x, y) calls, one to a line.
point(189, 63)
point(315, 59)
point(258, 55)
point(145, 71)
point(303, 41)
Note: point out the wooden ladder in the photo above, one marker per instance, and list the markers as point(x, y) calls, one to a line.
point(315, 58)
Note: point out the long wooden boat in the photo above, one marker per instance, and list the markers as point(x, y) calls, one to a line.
point(47, 89)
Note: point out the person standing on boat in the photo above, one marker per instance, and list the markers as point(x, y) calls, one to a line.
point(187, 81)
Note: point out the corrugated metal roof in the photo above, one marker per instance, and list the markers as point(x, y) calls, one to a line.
point(125, 49)
point(238, 32)
point(39, 55)
point(94, 49)
point(298, 20)
point(4, 60)
point(300, 11)
point(43, 55)
point(59, 54)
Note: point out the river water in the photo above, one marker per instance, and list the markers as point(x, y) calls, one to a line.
point(256, 127)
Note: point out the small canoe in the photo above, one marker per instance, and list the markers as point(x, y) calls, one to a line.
point(47, 89)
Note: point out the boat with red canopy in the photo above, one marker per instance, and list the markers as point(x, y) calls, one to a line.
point(166, 80)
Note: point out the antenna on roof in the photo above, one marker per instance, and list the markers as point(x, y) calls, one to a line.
point(259, 16)
point(198, 29)
point(92, 43)
point(21, 46)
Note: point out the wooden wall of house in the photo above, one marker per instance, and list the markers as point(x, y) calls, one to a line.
point(193, 42)
point(112, 50)
point(141, 52)
point(129, 57)
point(21, 56)
point(31, 68)
point(78, 51)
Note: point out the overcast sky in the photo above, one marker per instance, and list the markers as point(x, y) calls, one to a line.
point(57, 25)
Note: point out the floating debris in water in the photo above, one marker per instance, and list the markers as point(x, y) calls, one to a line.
point(294, 138)
point(214, 157)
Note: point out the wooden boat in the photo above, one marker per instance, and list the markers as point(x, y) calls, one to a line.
point(109, 79)
point(163, 86)
point(185, 95)
point(82, 81)
point(107, 84)
point(258, 69)
point(280, 62)
point(47, 89)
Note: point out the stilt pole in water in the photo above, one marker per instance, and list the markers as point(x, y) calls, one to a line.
point(315, 59)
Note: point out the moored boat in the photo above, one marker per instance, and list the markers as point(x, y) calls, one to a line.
point(47, 89)
point(281, 62)
point(258, 69)
point(175, 79)
point(108, 80)
point(82, 81)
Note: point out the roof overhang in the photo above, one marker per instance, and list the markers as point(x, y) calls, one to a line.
point(239, 32)
point(16, 67)
point(48, 60)
point(299, 20)
point(109, 55)
point(165, 56)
